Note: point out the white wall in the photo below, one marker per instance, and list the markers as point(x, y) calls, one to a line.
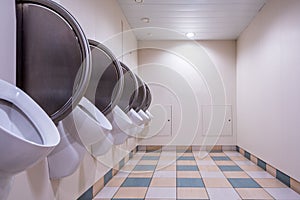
point(188, 75)
point(100, 20)
point(7, 41)
point(268, 95)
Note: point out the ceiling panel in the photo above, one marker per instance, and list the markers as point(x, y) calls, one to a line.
point(208, 19)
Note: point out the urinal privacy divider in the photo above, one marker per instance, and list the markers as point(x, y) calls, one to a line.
point(53, 56)
point(148, 100)
point(54, 68)
point(107, 81)
point(137, 105)
point(130, 92)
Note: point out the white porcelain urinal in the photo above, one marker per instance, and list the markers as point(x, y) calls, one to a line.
point(121, 125)
point(92, 127)
point(149, 114)
point(83, 127)
point(144, 116)
point(139, 123)
point(27, 134)
point(66, 157)
point(135, 117)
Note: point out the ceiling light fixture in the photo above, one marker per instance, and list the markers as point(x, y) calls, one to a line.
point(139, 1)
point(145, 19)
point(190, 35)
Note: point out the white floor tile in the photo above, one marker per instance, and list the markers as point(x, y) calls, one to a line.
point(121, 174)
point(165, 174)
point(205, 162)
point(232, 153)
point(222, 193)
point(206, 174)
point(258, 174)
point(107, 192)
point(132, 162)
point(163, 192)
point(244, 162)
point(283, 193)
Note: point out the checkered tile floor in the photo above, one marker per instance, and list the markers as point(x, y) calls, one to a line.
point(171, 175)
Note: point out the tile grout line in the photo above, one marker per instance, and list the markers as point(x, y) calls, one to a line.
point(133, 151)
point(240, 150)
point(126, 177)
point(255, 180)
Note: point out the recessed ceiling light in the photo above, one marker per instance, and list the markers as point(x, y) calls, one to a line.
point(145, 19)
point(139, 1)
point(190, 35)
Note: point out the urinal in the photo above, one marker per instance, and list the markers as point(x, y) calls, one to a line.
point(91, 126)
point(101, 147)
point(56, 72)
point(135, 117)
point(149, 114)
point(144, 116)
point(27, 134)
point(121, 125)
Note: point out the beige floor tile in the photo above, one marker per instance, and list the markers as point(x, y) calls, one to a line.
point(238, 158)
point(116, 182)
point(236, 174)
point(98, 186)
point(131, 192)
point(163, 182)
point(269, 182)
point(208, 168)
point(251, 168)
point(186, 162)
point(216, 183)
point(188, 174)
point(271, 170)
point(139, 174)
point(217, 154)
point(224, 162)
point(152, 154)
point(204, 158)
point(147, 162)
point(191, 193)
point(253, 193)
point(295, 185)
point(253, 159)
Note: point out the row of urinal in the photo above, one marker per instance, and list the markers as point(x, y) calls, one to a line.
point(74, 95)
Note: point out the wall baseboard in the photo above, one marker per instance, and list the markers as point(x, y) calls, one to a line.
point(90, 193)
point(285, 179)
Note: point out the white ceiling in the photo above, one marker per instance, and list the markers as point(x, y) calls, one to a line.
point(208, 19)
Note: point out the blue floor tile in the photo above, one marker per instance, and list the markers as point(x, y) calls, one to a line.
point(144, 168)
point(150, 157)
point(243, 183)
point(186, 168)
point(217, 158)
point(186, 158)
point(261, 164)
point(229, 168)
point(125, 199)
point(136, 182)
point(107, 176)
point(88, 195)
point(189, 182)
point(247, 155)
point(283, 178)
